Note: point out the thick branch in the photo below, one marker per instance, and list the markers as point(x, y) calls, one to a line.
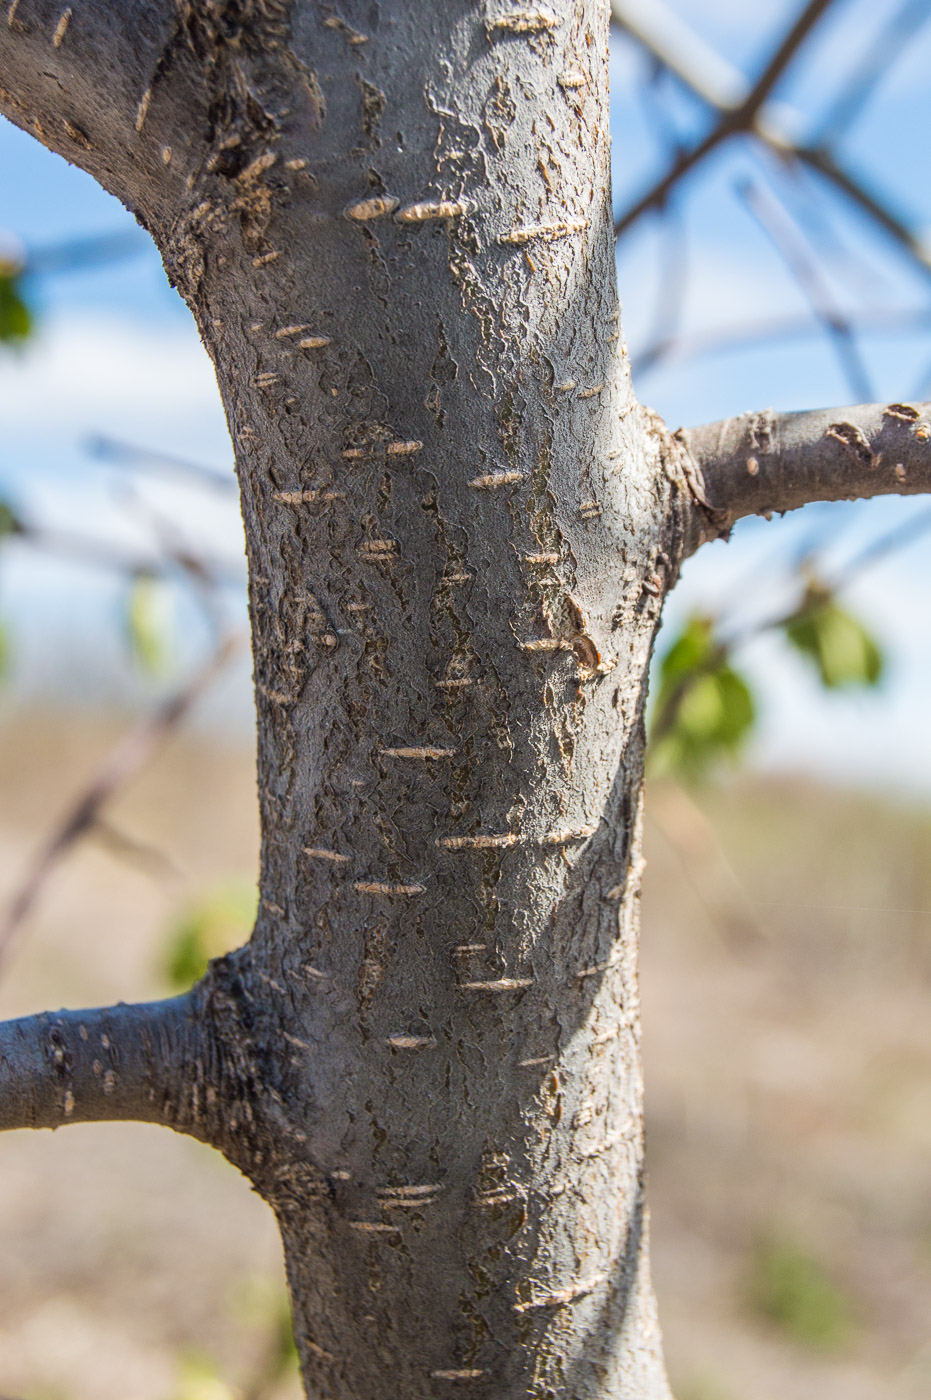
point(74, 76)
point(119, 1062)
point(765, 462)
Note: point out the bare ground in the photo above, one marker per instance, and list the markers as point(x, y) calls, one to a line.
point(787, 1005)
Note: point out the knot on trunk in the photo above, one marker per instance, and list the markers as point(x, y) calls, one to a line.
point(236, 1091)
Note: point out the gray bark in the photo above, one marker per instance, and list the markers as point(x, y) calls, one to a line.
point(393, 225)
point(118, 1062)
point(764, 462)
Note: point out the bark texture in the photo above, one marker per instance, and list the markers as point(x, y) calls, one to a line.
point(764, 462)
point(392, 222)
point(120, 1062)
point(450, 514)
point(393, 225)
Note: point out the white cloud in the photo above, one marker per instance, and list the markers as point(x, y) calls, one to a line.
point(86, 374)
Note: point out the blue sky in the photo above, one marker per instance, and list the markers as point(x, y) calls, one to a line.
point(117, 352)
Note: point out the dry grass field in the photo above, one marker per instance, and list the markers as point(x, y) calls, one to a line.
point(787, 1003)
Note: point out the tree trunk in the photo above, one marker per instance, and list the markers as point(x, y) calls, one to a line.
point(392, 222)
point(450, 517)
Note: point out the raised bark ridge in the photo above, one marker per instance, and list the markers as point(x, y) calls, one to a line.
point(393, 225)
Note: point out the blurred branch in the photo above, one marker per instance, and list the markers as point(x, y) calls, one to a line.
point(733, 117)
point(143, 459)
point(780, 60)
point(802, 192)
point(686, 54)
point(875, 64)
point(77, 254)
point(673, 280)
point(741, 110)
point(122, 765)
point(129, 848)
point(742, 334)
point(887, 544)
point(819, 158)
point(177, 551)
point(798, 257)
point(923, 384)
point(102, 554)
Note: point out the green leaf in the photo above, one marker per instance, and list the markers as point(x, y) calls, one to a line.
point(148, 624)
point(15, 317)
point(843, 652)
point(704, 707)
point(219, 921)
point(790, 1288)
point(690, 650)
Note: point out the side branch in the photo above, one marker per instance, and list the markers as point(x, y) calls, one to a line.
point(765, 462)
point(121, 1062)
point(74, 75)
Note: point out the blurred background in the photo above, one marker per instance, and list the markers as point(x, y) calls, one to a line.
point(771, 192)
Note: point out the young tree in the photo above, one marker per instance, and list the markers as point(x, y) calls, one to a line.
point(393, 225)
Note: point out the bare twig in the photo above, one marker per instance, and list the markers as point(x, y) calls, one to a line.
point(144, 459)
point(119, 1062)
point(733, 119)
point(119, 769)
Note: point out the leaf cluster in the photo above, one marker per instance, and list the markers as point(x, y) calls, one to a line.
point(705, 708)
